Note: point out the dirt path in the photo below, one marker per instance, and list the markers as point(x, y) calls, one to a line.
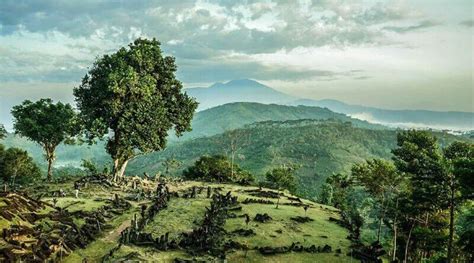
point(114, 234)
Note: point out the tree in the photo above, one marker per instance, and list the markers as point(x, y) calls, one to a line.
point(170, 164)
point(460, 162)
point(381, 179)
point(134, 94)
point(340, 186)
point(47, 124)
point(236, 140)
point(281, 178)
point(419, 158)
point(217, 169)
point(3, 132)
point(17, 164)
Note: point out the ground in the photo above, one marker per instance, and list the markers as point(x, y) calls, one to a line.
point(184, 214)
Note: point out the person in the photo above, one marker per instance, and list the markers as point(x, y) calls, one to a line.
point(76, 189)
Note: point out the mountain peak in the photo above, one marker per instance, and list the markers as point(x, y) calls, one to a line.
point(239, 83)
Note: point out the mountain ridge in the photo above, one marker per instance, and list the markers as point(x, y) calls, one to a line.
point(246, 90)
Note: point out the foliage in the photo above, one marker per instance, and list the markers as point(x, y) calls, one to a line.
point(281, 178)
point(418, 155)
point(16, 166)
point(237, 115)
point(3, 132)
point(217, 168)
point(47, 124)
point(465, 231)
point(135, 94)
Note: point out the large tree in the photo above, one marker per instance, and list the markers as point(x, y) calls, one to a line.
point(45, 123)
point(133, 96)
point(460, 162)
point(419, 158)
point(381, 179)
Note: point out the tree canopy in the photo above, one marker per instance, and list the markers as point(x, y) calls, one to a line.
point(45, 123)
point(217, 168)
point(134, 94)
point(16, 166)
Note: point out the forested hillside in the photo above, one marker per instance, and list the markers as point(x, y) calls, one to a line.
point(236, 115)
point(205, 123)
point(320, 147)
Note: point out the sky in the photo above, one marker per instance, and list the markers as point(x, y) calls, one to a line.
point(390, 54)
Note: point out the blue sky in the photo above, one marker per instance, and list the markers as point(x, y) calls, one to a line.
point(390, 54)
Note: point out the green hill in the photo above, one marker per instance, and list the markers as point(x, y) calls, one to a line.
point(320, 147)
point(205, 123)
point(237, 115)
point(68, 229)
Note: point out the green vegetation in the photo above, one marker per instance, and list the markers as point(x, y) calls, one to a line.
point(417, 197)
point(47, 124)
point(128, 92)
point(239, 114)
point(217, 168)
point(3, 132)
point(281, 178)
point(320, 148)
point(16, 166)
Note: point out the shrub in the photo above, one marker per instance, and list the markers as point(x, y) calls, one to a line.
point(16, 166)
point(217, 168)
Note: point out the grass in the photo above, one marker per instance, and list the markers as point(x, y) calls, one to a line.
point(182, 215)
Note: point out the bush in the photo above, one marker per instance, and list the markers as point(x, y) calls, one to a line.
point(217, 168)
point(16, 166)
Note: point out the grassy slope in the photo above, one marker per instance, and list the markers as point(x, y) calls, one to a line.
point(184, 214)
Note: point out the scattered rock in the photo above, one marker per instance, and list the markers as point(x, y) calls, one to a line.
point(262, 218)
point(301, 219)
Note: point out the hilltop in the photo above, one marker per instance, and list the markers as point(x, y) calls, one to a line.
point(92, 226)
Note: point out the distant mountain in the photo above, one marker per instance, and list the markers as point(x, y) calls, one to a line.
point(252, 91)
point(243, 90)
point(238, 114)
point(451, 120)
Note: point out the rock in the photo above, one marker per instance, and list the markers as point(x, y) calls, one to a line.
point(244, 232)
point(301, 219)
point(262, 218)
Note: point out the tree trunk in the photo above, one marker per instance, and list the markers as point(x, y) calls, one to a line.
point(119, 169)
point(408, 243)
point(451, 224)
point(381, 218)
point(50, 172)
point(394, 256)
point(50, 156)
point(232, 156)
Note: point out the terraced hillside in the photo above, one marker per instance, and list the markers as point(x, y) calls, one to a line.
point(194, 220)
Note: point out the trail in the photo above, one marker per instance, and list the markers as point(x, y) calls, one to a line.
point(114, 234)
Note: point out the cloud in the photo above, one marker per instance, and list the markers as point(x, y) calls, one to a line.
point(190, 71)
point(467, 23)
point(404, 29)
point(56, 41)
